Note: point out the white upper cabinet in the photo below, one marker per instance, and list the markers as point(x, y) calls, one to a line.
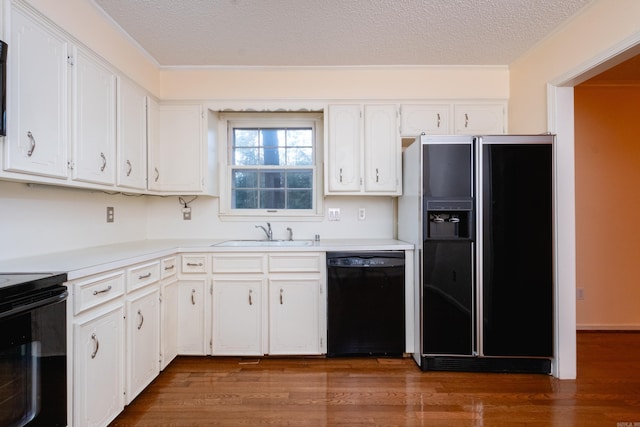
point(132, 135)
point(38, 98)
point(343, 149)
point(94, 119)
point(176, 148)
point(363, 150)
point(481, 119)
point(428, 118)
point(382, 150)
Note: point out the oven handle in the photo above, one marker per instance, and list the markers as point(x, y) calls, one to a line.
point(37, 304)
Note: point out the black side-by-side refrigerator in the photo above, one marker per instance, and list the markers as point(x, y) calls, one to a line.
point(480, 212)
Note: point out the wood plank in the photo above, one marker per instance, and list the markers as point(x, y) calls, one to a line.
point(228, 391)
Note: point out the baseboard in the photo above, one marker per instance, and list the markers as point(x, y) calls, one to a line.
point(600, 327)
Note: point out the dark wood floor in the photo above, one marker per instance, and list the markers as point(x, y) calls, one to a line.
point(207, 391)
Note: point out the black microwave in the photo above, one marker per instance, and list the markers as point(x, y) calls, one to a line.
point(3, 88)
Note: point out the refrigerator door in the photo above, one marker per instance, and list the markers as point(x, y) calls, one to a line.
point(447, 298)
point(516, 259)
point(447, 167)
point(447, 294)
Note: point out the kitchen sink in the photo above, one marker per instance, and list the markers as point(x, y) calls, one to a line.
point(265, 243)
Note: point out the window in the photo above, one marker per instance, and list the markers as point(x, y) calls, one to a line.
point(272, 163)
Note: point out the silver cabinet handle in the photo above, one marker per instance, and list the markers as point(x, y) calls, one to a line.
point(466, 120)
point(170, 267)
point(33, 143)
point(141, 319)
point(340, 174)
point(157, 174)
point(102, 291)
point(377, 175)
point(144, 276)
point(194, 264)
point(438, 120)
point(104, 162)
point(250, 296)
point(96, 345)
point(129, 168)
point(193, 297)
point(281, 293)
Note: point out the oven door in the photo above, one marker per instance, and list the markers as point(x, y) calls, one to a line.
point(33, 366)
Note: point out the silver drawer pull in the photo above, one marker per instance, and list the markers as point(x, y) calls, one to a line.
point(170, 267)
point(141, 319)
point(33, 144)
point(96, 345)
point(144, 276)
point(281, 292)
point(102, 291)
point(129, 168)
point(194, 264)
point(193, 297)
point(250, 297)
point(104, 162)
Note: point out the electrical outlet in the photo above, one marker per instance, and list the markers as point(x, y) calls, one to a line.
point(110, 214)
point(334, 214)
point(362, 214)
point(580, 293)
point(186, 214)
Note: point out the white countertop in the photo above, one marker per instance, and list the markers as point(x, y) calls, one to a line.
point(84, 262)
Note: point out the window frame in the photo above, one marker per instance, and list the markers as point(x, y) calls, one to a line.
point(230, 120)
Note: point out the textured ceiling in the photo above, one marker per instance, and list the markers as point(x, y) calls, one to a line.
point(338, 32)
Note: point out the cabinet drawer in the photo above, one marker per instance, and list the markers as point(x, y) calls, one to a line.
point(168, 267)
point(194, 264)
point(97, 290)
point(239, 263)
point(142, 275)
point(295, 262)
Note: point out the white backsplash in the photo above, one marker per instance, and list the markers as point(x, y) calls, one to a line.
point(38, 219)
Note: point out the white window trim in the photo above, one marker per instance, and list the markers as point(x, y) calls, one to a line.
point(262, 119)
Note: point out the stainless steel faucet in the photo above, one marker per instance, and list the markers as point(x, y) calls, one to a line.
point(267, 231)
point(290, 233)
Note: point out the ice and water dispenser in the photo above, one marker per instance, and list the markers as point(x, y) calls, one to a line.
point(449, 219)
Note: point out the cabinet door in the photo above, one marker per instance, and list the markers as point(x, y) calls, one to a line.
point(38, 106)
point(177, 150)
point(382, 149)
point(479, 119)
point(94, 120)
point(132, 136)
point(294, 318)
point(169, 322)
point(343, 149)
point(430, 119)
point(99, 368)
point(191, 317)
point(143, 337)
point(237, 316)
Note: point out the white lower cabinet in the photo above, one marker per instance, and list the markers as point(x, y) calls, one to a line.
point(143, 340)
point(169, 322)
point(268, 304)
point(294, 316)
point(98, 367)
point(116, 340)
point(192, 338)
point(237, 316)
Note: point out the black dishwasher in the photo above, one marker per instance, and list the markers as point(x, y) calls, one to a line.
point(366, 303)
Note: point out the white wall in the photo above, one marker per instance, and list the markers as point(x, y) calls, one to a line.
point(40, 219)
point(165, 221)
